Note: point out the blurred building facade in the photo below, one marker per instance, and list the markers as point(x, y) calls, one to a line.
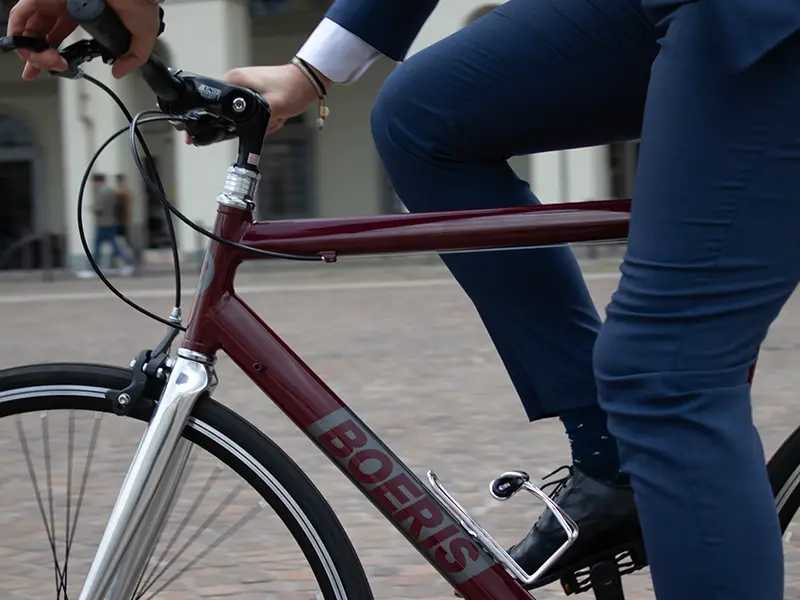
point(49, 129)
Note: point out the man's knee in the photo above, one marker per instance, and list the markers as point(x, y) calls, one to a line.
point(641, 357)
point(653, 367)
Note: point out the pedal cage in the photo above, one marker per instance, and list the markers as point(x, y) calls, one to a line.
point(503, 488)
point(605, 577)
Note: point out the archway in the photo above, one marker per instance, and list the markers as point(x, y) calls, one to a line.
point(19, 181)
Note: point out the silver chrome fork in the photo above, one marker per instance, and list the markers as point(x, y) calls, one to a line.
point(128, 579)
point(150, 487)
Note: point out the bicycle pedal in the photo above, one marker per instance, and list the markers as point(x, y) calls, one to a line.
point(503, 488)
point(602, 573)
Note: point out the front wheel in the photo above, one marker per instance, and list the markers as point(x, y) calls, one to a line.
point(248, 523)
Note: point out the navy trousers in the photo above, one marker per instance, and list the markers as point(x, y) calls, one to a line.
point(713, 254)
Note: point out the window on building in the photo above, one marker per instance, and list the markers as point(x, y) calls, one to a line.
point(623, 158)
point(286, 189)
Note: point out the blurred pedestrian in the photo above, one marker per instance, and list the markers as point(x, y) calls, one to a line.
point(107, 224)
point(124, 212)
point(124, 200)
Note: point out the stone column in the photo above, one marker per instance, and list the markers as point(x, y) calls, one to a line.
point(88, 116)
point(207, 37)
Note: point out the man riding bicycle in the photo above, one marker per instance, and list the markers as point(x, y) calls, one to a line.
point(656, 403)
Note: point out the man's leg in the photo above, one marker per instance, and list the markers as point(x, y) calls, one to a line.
point(714, 253)
point(529, 77)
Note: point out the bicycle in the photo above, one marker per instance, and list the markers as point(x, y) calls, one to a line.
point(172, 394)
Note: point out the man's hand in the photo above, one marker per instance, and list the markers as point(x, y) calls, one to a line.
point(49, 19)
point(141, 18)
point(286, 90)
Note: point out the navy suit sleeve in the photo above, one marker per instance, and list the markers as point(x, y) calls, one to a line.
point(389, 26)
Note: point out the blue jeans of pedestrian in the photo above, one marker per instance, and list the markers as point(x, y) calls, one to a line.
point(109, 235)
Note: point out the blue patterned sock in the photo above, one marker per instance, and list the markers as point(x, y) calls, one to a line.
point(594, 449)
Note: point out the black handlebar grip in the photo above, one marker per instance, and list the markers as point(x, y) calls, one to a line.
point(102, 23)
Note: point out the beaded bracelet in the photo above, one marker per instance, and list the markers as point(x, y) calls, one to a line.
point(319, 88)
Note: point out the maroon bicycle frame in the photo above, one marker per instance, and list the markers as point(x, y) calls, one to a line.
point(220, 320)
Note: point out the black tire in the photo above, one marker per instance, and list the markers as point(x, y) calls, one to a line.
point(228, 437)
point(784, 476)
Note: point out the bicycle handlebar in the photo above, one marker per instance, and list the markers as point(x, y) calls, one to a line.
point(213, 110)
point(100, 21)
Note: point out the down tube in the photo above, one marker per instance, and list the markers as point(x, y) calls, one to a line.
point(364, 459)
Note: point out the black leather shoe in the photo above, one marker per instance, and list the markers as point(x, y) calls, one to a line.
point(607, 523)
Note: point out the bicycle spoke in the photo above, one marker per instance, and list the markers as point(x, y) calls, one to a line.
point(35, 482)
point(98, 418)
point(72, 527)
point(145, 582)
point(225, 535)
point(49, 478)
point(70, 453)
point(48, 470)
point(205, 525)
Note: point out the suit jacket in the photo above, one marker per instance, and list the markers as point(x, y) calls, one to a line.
point(746, 29)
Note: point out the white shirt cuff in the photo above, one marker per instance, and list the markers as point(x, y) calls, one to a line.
point(341, 56)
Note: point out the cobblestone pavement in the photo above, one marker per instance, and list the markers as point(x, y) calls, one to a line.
point(401, 345)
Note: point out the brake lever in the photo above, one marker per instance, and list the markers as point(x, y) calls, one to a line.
point(9, 43)
point(79, 53)
point(205, 128)
point(75, 54)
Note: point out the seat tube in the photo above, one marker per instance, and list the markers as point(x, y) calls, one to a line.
point(152, 480)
